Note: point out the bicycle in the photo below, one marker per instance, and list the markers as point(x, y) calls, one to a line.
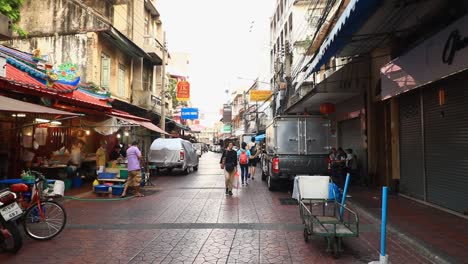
point(43, 217)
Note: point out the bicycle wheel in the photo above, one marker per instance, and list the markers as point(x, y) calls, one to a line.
point(45, 225)
point(10, 237)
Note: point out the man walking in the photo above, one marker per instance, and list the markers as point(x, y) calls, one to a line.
point(134, 170)
point(229, 164)
point(254, 157)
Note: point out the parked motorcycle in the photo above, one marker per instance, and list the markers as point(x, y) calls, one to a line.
point(10, 236)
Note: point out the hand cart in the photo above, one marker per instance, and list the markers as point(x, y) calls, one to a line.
point(322, 217)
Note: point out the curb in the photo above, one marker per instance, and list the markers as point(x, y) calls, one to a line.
point(426, 251)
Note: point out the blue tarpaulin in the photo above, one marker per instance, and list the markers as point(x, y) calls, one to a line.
point(260, 137)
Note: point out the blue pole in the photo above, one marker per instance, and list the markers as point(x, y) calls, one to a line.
point(345, 191)
point(383, 228)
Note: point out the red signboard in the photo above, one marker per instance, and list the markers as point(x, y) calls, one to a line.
point(183, 91)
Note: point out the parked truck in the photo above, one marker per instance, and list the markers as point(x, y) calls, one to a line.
point(295, 145)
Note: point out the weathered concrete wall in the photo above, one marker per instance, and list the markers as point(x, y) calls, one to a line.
point(60, 49)
point(49, 17)
point(117, 57)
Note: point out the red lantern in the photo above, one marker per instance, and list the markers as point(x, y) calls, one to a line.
point(327, 108)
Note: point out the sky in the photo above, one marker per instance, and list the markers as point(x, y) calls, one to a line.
point(228, 43)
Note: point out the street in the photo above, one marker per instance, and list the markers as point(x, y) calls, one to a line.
point(189, 219)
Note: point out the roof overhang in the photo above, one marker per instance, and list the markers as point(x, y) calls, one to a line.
point(15, 106)
point(347, 82)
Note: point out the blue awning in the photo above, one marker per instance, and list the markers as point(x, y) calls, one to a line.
point(352, 19)
point(260, 137)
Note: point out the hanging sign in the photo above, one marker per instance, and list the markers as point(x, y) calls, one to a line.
point(260, 95)
point(183, 91)
point(189, 113)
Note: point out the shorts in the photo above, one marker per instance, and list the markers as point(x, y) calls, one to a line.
point(134, 178)
point(253, 162)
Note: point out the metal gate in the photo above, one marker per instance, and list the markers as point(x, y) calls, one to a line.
point(411, 146)
point(446, 146)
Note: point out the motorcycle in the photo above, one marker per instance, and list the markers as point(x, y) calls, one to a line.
point(10, 237)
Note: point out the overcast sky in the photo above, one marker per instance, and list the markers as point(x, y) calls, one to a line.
point(226, 40)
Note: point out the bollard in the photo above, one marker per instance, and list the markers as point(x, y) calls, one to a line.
point(343, 199)
point(383, 258)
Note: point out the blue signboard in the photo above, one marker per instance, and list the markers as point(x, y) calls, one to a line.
point(189, 113)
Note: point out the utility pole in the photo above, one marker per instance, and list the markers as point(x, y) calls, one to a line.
point(162, 123)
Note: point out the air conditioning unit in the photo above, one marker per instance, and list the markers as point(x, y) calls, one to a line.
point(5, 27)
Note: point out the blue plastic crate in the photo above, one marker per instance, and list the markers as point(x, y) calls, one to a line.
point(117, 189)
point(101, 188)
point(107, 175)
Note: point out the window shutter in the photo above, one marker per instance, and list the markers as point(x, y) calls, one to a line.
point(121, 85)
point(105, 71)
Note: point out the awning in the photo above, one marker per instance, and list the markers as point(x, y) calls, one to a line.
point(11, 105)
point(353, 17)
point(137, 121)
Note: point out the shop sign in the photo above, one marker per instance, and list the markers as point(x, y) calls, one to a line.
point(189, 113)
point(183, 91)
point(227, 113)
point(260, 95)
point(227, 129)
point(442, 55)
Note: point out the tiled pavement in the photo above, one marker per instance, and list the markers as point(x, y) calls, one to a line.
point(190, 220)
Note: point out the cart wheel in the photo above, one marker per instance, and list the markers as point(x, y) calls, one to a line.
point(306, 235)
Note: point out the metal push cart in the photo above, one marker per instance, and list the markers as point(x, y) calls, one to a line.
point(322, 217)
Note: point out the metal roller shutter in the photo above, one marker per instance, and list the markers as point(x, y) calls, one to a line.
point(350, 136)
point(446, 146)
point(411, 150)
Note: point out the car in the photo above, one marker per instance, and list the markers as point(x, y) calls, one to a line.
point(172, 153)
point(198, 148)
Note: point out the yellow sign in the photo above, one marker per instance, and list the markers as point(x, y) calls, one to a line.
point(260, 95)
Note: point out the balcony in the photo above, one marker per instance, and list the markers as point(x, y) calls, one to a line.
point(154, 48)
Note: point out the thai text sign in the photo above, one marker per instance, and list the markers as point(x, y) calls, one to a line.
point(227, 113)
point(227, 129)
point(183, 91)
point(260, 95)
point(189, 113)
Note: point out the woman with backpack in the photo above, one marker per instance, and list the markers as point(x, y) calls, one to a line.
point(254, 157)
point(243, 155)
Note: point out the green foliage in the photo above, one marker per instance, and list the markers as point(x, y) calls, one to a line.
point(11, 9)
point(173, 91)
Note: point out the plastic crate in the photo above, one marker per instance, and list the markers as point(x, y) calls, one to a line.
point(106, 175)
point(101, 188)
point(117, 189)
point(124, 174)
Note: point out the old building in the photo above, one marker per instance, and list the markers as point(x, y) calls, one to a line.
point(117, 45)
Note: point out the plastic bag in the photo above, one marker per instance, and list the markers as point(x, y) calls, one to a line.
point(236, 180)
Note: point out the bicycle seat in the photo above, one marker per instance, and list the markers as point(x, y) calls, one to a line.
point(19, 188)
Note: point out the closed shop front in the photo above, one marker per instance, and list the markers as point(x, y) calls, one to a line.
point(411, 147)
point(431, 84)
point(446, 144)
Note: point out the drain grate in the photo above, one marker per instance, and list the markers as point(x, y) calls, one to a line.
point(288, 201)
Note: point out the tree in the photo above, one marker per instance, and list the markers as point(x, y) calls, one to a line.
point(173, 91)
point(11, 9)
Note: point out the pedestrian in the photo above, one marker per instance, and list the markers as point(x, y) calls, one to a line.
point(116, 153)
point(243, 156)
point(101, 158)
point(134, 170)
point(341, 165)
point(229, 164)
point(254, 157)
point(77, 156)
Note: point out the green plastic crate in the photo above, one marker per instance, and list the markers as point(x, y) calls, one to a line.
point(124, 174)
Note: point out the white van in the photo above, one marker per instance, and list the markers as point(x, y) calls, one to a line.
point(170, 153)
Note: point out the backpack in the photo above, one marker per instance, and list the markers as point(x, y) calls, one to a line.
point(253, 150)
point(243, 158)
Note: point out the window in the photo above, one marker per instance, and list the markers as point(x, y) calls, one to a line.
point(121, 81)
point(105, 71)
